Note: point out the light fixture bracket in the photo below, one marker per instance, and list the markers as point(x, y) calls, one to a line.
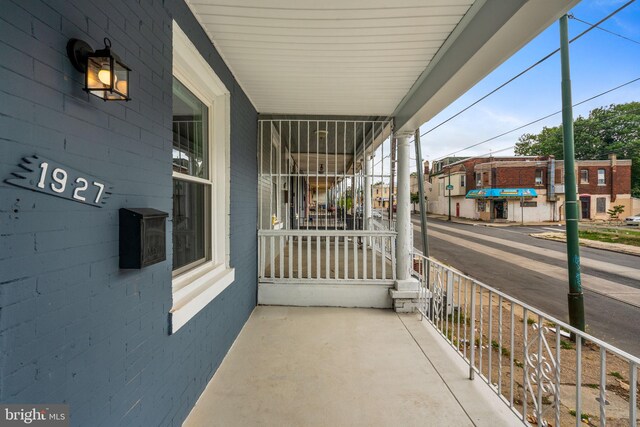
point(77, 50)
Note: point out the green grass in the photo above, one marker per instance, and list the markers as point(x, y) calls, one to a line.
point(583, 416)
point(566, 345)
point(616, 374)
point(626, 237)
point(505, 351)
point(530, 321)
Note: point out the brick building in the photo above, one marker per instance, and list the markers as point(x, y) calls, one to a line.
point(602, 184)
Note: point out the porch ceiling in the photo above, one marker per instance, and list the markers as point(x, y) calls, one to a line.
point(402, 58)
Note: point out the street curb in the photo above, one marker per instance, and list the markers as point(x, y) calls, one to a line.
point(613, 247)
point(497, 224)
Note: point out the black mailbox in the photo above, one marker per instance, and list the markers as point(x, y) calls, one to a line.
point(142, 237)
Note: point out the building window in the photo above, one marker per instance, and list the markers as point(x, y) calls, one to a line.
point(539, 175)
point(601, 205)
point(482, 205)
point(191, 183)
point(601, 177)
point(478, 179)
point(463, 179)
point(201, 165)
point(584, 176)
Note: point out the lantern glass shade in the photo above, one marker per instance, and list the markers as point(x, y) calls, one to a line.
point(106, 76)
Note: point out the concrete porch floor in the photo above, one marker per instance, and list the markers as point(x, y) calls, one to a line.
point(316, 366)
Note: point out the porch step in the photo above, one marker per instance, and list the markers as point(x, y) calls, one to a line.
point(325, 295)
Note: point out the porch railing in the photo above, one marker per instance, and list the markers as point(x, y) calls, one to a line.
point(344, 256)
point(546, 371)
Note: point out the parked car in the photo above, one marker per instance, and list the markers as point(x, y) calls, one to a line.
point(376, 214)
point(632, 220)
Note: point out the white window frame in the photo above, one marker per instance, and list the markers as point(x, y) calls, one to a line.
point(463, 180)
point(602, 181)
point(539, 177)
point(192, 290)
point(584, 176)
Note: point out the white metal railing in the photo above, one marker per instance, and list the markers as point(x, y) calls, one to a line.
point(339, 256)
point(539, 366)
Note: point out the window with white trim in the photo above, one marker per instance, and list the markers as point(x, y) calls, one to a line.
point(539, 177)
point(601, 177)
point(463, 179)
point(584, 176)
point(201, 166)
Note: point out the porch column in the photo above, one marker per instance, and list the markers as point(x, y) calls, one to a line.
point(367, 192)
point(405, 293)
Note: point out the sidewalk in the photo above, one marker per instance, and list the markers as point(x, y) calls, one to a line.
point(467, 221)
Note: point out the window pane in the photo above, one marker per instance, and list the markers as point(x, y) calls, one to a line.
point(190, 130)
point(584, 176)
point(189, 216)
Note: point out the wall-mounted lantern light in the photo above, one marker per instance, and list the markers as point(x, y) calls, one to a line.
point(106, 76)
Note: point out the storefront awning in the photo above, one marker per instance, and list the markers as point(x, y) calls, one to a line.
point(502, 193)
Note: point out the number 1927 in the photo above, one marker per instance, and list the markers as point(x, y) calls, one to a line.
point(60, 177)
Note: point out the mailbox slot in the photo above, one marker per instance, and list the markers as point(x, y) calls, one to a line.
point(143, 237)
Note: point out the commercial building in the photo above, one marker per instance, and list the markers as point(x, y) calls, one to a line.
point(529, 189)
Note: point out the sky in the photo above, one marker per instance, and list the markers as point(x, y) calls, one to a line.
point(599, 61)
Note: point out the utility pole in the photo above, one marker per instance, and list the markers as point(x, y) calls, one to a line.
point(449, 190)
point(423, 207)
point(575, 297)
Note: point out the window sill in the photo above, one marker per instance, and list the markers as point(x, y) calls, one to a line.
point(195, 289)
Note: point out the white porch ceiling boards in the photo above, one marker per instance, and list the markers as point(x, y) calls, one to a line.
point(330, 57)
point(406, 59)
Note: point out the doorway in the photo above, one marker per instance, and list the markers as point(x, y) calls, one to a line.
point(585, 207)
point(457, 209)
point(500, 209)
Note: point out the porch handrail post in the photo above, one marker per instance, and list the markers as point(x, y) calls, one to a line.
point(405, 295)
point(403, 213)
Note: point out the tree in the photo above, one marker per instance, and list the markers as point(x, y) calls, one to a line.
point(614, 213)
point(415, 198)
point(607, 130)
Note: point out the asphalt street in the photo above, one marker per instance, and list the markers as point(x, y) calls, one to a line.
point(533, 271)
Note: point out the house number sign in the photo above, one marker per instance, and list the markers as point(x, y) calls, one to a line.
point(50, 177)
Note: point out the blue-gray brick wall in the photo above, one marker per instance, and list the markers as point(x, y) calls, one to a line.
point(73, 327)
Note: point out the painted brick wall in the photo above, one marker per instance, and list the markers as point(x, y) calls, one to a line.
point(73, 327)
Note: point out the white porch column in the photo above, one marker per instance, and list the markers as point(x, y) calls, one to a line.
point(405, 293)
point(367, 192)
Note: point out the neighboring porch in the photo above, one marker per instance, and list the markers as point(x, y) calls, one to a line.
point(293, 366)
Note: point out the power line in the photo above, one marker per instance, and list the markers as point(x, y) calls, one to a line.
point(572, 16)
point(540, 61)
point(542, 118)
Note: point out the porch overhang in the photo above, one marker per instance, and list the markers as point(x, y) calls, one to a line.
point(403, 59)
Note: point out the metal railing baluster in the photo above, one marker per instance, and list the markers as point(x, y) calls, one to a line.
point(578, 381)
point(603, 386)
point(525, 370)
point(633, 392)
